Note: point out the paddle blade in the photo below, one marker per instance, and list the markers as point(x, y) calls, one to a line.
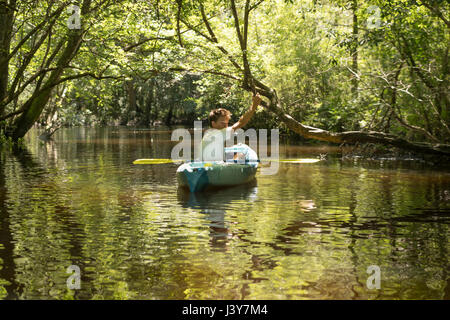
point(152, 161)
point(299, 160)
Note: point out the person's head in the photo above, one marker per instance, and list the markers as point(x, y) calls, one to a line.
point(219, 118)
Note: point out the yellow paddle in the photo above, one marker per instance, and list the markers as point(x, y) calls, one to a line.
point(163, 161)
point(152, 161)
point(299, 160)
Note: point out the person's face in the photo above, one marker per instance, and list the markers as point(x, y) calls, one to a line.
point(221, 123)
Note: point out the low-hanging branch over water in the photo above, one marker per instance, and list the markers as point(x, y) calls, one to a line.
point(345, 82)
point(253, 85)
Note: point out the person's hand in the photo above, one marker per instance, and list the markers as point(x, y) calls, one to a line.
point(256, 99)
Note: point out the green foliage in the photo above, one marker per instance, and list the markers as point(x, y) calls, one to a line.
point(149, 62)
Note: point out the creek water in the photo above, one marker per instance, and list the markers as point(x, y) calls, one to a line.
point(311, 231)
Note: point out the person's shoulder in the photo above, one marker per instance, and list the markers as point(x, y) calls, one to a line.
point(228, 132)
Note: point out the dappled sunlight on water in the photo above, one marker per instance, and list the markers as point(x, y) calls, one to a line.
point(308, 232)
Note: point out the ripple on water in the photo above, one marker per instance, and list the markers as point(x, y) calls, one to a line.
point(308, 232)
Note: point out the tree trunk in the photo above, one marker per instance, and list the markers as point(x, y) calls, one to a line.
point(148, 104)
point(157, 102)
point(354, 50)
point(131, 96)
point(34, 106)
point(52, 123)
point(168, 120)
point(6, 26)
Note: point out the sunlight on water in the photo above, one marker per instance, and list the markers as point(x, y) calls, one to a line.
point(308, 232)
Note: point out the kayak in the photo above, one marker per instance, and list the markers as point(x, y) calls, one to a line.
point(239, 167)
point(200, 175)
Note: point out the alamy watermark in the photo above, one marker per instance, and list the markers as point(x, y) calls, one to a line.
point(74, 21)
point(374, 280)
point(215, 140)
point(374, 20)
point(74, 280)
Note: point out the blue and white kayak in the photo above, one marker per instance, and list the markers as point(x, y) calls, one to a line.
point(240, 167)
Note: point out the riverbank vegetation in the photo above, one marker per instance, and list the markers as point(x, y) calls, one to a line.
point(341, 71)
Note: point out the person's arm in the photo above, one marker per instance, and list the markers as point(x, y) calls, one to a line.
point(256, 99)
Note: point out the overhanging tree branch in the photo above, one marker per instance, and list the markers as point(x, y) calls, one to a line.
point(37, 102)
point(16, 94)
point(260, 87)
point(222, 74)
point(255, 5)
point(243, 39)
point(435, 10)
point(213, 38)
point(179, 5)
point(12, 114)
point(350, 137)
point(38, 27)
point(143, 41)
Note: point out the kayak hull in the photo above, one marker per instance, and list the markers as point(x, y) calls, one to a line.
point(198, 176)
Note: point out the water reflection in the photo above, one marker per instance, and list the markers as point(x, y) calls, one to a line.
point(310, 231)
point(213, 205)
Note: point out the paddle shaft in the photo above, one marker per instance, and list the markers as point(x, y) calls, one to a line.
point(164, 161)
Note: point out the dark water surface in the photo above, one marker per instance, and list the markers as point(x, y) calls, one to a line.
point(309, 232)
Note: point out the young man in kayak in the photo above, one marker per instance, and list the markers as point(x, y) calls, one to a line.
point(214, 139)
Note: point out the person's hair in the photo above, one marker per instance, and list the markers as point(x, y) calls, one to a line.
point(215, 114)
